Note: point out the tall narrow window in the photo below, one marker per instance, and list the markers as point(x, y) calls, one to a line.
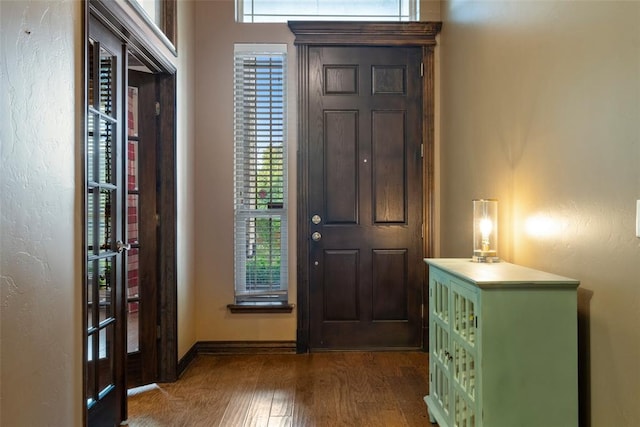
point(260, 173)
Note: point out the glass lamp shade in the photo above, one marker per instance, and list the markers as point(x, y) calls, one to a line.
point(485, 230)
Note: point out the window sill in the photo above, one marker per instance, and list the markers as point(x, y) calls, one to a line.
point(261, 307)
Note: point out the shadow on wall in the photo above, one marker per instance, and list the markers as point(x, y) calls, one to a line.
point(584, 357)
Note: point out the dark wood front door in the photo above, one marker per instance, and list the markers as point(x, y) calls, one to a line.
point(365, 202)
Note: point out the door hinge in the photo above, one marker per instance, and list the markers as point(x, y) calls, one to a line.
point(476, 322)
point(158, 332)
point(422, 231)
point(157, 220)
point(157, 108)
point(422, 151)
point(422, 69)
point(422, 311)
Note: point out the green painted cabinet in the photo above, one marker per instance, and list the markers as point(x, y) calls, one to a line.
point(503, 346)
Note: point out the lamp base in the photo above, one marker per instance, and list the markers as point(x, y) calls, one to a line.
point(486, 259)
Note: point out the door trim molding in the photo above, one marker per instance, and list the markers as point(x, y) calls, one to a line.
point(167, 228)
point(312, 33)
point(143, 37)
point(365, 33)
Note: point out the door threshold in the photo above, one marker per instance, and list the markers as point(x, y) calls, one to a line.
point(142, 389)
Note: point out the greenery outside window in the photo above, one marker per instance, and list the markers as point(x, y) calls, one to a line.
point(260, 178)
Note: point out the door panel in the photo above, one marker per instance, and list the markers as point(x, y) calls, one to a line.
point(104, 219)
point(365, 183)
point(341, 285)
point(341, 150)
point(388, 162)
point(389, 284)
point(142, 276)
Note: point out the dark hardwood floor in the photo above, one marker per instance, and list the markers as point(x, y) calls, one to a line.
point(319, 389)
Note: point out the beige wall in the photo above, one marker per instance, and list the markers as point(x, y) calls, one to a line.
point(540, 104)
point(40, 249)
point(216, 32)
point(430, 10)
point(185, 88)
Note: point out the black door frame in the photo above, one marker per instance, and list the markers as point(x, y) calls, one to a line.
point(159, 55)
point(312, 33)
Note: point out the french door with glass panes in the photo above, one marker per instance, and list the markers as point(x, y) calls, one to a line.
point(142, 230)
point(105, 327)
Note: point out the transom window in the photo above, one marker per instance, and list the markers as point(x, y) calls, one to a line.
point(260, 173)
point(336, 10)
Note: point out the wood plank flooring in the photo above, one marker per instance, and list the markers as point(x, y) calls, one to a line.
point(320, 389)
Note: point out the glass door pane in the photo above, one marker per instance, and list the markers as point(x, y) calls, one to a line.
point(133, 263)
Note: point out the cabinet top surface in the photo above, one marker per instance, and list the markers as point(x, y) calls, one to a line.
point(488, 275)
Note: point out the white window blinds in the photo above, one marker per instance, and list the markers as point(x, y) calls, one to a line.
point(260, 198)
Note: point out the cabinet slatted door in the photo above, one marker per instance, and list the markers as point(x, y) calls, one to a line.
point(454, 354)
point(464, 355)
point(439, 339)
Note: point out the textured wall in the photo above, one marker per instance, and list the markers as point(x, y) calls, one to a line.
point(40, 301)
point(540, 104)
